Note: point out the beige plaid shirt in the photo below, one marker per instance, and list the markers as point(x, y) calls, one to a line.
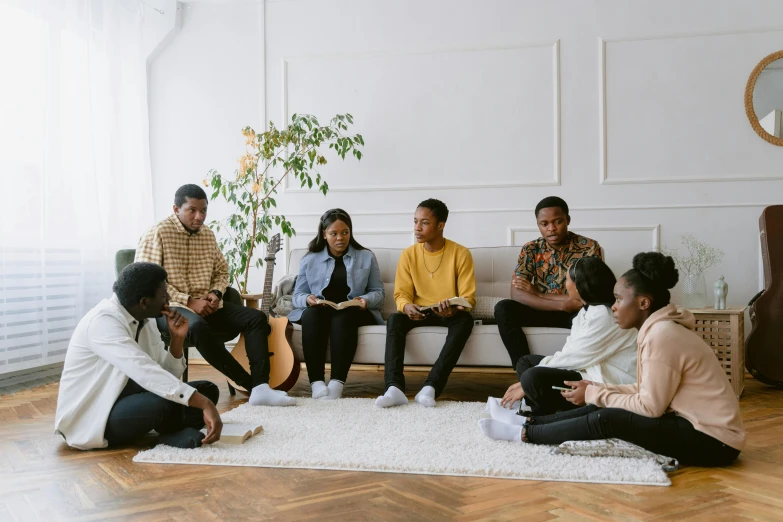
point(194, 262)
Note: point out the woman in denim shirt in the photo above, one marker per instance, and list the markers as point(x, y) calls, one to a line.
point(336, 269)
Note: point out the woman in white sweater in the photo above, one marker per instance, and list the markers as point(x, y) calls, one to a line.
point(597, 349)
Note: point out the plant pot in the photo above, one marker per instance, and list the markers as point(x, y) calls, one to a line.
point(694, 291)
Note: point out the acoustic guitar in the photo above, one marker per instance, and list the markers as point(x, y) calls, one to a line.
point(764, 346)
point(284, 365)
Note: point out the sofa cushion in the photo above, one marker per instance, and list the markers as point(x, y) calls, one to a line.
point(485, 307)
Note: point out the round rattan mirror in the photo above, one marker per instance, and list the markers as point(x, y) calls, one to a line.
point(764, 98)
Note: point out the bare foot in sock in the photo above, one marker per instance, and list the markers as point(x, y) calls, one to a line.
point(335, 389)
point(497, 430)
point(499, 413)
point(319, 389)
point(263, 395)
point(392, 397)
point(426, 397)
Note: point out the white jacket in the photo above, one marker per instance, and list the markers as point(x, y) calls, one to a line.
point(101, 356)
point(598, 349)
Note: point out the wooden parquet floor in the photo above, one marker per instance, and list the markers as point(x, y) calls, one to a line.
point(42, 479)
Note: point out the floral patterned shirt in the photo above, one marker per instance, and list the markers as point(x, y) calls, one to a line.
point(547, 267)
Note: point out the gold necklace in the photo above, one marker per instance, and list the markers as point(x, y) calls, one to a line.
point(424, 259)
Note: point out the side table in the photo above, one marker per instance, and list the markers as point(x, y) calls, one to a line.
point(724, 332)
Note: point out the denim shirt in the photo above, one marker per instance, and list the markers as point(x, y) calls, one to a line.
point(364, 279)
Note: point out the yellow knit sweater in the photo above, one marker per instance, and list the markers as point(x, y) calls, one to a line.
point(452, 268)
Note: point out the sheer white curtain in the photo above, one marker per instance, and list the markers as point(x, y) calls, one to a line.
point(74, 164)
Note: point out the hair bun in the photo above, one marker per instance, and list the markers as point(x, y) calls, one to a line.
point(657, 267)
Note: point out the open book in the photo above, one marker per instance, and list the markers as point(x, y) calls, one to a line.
point(340, 306)
point(454, 301)
point(238, 433)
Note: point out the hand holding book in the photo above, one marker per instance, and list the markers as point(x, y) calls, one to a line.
point(358, 302)
point(447, 307)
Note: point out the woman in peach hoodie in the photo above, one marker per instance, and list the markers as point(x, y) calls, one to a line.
point(682, 404)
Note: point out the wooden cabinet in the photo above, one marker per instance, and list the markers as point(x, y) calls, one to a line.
point(724, 331)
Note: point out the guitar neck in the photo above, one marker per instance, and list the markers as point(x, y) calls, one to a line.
point(266, 301)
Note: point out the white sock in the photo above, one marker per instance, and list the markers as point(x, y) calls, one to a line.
point(263, 395)
point(335, 390)
point(497, 430)
point(499, 413)
point(426, 397)
point(392, 397)
point(279, 392)
point(319, 389)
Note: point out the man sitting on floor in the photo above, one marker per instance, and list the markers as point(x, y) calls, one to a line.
point(538, 290)
point(430, 272)
point(119, 382)
point(198, 277)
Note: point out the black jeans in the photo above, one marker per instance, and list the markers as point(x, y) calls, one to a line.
point(399, 324)
point(136, 412)
point(537, 382)
point(669, 435)
point(512, 316)
point(208, 334)
point(341, 329)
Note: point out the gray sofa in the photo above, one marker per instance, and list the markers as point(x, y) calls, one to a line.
point(494, 267)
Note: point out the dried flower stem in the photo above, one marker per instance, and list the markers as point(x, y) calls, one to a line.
point(699, 259)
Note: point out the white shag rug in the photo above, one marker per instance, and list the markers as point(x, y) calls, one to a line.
point(354, 435)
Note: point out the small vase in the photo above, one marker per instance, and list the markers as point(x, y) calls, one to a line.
point(694, 291)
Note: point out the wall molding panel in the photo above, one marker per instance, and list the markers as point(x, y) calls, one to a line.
point(553, 180)
point(604, 176)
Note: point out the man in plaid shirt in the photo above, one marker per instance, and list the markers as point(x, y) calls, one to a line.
point(198, 277)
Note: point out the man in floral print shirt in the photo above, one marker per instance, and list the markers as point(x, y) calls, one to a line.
point(538, 290)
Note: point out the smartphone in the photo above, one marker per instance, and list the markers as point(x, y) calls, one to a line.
point(561, 388)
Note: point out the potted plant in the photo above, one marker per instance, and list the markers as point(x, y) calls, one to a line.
point(297, 150)
point(692, 266)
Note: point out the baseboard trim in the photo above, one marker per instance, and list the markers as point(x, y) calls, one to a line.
point(20, 380)
point(31, 374)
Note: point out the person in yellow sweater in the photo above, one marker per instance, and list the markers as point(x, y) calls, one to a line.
point(428, 273)
point(681, 405)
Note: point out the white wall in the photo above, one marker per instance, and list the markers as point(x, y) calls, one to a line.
point(161, 22)
point(631, 111)
point(205, 86)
